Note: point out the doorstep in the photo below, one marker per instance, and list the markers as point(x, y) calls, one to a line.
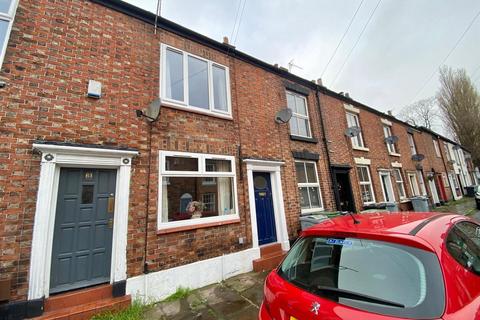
point(83, 303)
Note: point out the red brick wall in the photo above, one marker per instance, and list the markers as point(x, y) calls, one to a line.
point(54, 49)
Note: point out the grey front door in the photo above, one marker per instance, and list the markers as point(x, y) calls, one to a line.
point(82, 239)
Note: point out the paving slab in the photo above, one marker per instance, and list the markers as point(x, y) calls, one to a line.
point(237, 298)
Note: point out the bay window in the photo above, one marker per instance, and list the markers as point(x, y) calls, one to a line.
point(196, 188)
point(7, 14)
point(366, 187)
point(193, 83)
point(308, 186)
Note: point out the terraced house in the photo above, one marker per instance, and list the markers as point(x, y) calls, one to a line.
point(103, 198)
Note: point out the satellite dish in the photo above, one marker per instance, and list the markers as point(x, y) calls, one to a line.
point(153, 110)
point(391, 139)
point(418, 157)
point(352, 131)
point(283, 116)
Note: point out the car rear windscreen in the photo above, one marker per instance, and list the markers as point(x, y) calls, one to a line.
point(375, 276)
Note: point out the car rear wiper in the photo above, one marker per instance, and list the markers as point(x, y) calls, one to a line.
point(359, 296)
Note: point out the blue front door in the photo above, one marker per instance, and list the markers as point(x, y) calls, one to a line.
point(264, 208)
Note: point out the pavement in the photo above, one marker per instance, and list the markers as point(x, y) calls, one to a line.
point(464, 206)
point(239, 298)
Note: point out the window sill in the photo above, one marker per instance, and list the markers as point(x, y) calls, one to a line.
point(167, 230)
point(170, 104)
point(361, 148)
point(394, 154)
point(312, 211)
point(405, 200)
point(304, 139)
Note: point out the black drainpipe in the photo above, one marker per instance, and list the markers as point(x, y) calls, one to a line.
point(325, 142)
point(145, 262)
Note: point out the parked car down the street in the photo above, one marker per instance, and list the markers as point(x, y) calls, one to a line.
point(379, 266)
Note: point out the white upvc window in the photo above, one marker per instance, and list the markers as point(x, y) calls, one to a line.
point(300, 122)
point(353, 121)
point(7, 15)
point(387, 187)
point(185, 199)
point(308, 186)
point(412, 179)
point(366, 187)
point(447, 151)
point(387, 132)
point(192, 83)
point(400, 185)
point(437, 148)
point(411, 144)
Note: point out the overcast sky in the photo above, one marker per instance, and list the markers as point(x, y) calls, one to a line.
point(402, 45)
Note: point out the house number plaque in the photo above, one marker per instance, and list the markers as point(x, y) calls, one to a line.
point(111, 203)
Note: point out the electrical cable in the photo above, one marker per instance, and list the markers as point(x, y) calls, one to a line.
point(356, 42)
point(448, 55)
point(341, 40)
point(239, 22)
point(236, 18)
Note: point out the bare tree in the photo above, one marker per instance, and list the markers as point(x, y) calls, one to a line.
point(423, 113)
point(460, 104)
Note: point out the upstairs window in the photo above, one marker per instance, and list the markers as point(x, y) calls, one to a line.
point(387, 132)
point(447, 151)
point(411, 144)
point(194, 83)
point(437, 148)
point(7, 14)
point(300, 122)
point(353, 121)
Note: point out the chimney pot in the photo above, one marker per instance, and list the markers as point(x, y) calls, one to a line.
point(225, 40)
point(320, 82)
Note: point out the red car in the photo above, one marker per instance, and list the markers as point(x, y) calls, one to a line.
point(378, 267)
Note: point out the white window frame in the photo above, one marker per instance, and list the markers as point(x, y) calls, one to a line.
point(389, 188)
point(387, 132)
point(213, 195)
point(421, 182)
point(414, 188)
point(299, 115)
point(357, 142)
point(411, 144)
point(184, 105)
point(437, 148)
point(10, 17)
point(311, 184)
point(202, 157)
point(370, 183)
point(400, 184)
point(447, 151)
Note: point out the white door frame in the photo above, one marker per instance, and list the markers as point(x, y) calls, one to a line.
point(390, 188)
point(273, 167)
point(53, 158)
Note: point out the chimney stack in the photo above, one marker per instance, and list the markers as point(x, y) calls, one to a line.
point(225, 40)
point(389, 112)
point(320, 82)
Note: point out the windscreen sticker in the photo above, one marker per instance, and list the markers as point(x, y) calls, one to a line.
point(339, 242)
